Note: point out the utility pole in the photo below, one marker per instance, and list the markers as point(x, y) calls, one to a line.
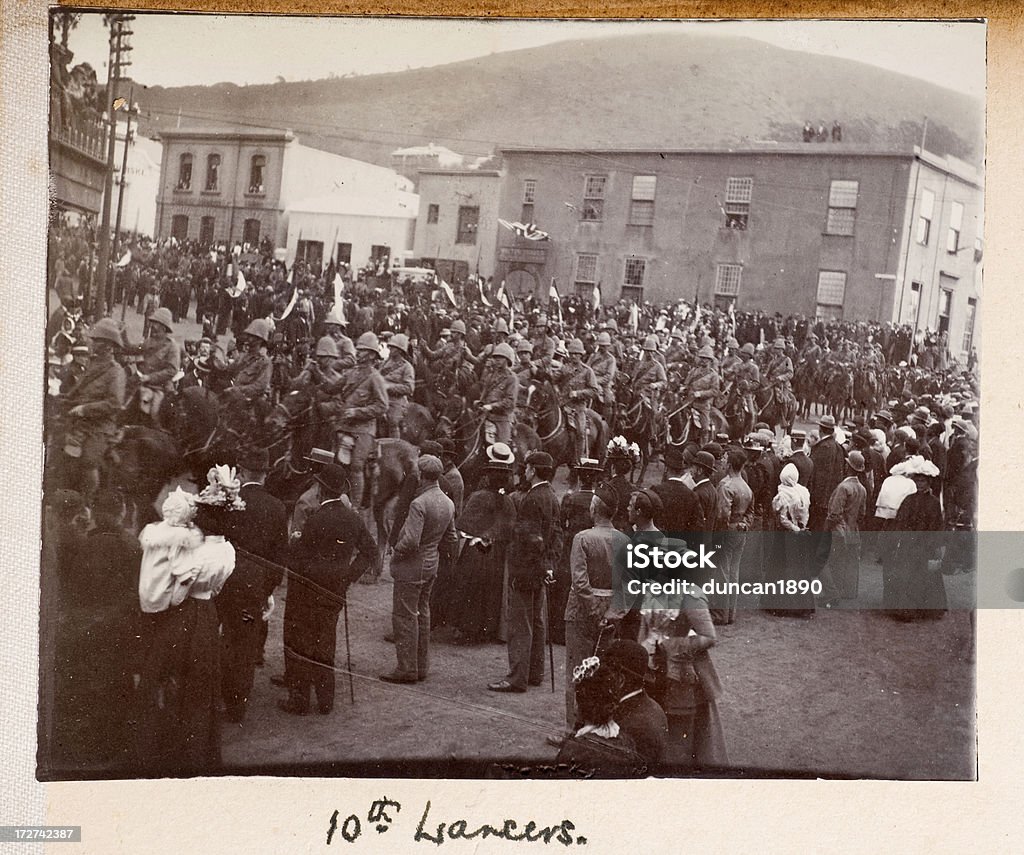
point(120, 30)
point(120, 200)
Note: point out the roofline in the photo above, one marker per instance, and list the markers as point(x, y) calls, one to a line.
point(832, 149)
point(241, 134)
point(942, 164)
point(494, 173)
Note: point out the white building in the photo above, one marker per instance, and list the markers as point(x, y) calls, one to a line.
point(358, 226)
point(138, 210)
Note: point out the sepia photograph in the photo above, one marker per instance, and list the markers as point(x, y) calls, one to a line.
point(454, 398)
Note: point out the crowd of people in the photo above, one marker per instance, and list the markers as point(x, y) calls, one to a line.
point(481, 547)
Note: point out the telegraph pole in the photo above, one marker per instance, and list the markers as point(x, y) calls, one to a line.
point(120, 30)
point(120, 200)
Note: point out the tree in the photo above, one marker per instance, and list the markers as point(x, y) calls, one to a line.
point(67, 21)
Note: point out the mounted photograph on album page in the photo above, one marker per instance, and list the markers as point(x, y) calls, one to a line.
point(437, 398)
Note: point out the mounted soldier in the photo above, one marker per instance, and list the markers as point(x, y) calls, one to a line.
point(578, 387)
point(399, 380)
point(498, 395)
point(95, 403)
point(703, 385)
point(161, 361)
point(650, 377)
point(334, 326)
point(602, 363)
point(252, 371)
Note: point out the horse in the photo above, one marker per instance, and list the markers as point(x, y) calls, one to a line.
point(418, 424)
point(838, 390)
point(637, 421)
point(739, 418)
point(682, 424)
point(805, 386)
point(866, 390)
point(294, 428)
point(552, 425)
point(775, 408)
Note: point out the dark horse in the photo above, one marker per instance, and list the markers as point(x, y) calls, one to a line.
point(637, 421)
point(776, 408)
point(551, 424)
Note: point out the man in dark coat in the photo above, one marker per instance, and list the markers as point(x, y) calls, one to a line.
point(429, 527)
point(637, 714)
point(245, 601)
point(333, 550)
point(829, 469)
point(682, 514)
point(799, 458)
point(536, 542)
point(706, 492)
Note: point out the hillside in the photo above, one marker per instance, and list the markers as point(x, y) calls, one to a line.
point(666, 90)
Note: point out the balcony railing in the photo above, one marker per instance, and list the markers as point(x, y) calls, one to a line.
point(89, 138)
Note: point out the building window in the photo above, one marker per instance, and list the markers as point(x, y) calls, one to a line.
point(529, 191)
point(468, 219)
point(635, 268)
point(631, 292)
point(380, 253)
point(184, 172)
point(738, 192)
point(842, 207)
point(432, 213)
point(945, 309)
point(727, 280)
point(257, 170)
point(213, 172)
point(831, 293)
point(956, 222)
point(251, 231)
point(972, 309)
point(924, 220)
point(586, 273)
point(978, 249)
point(179, 227)
point(641, 206)
point(206, 231)
point(593, 197)
point(344, 253)
point(311, 252)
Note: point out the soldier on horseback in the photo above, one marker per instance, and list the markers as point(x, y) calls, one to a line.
point(364, 400)
point(602, 363)
point(252, 371)
point(731, 361)
point(321, 370)
point(544, 344)
point(161, 359)
point(399, 381)
point(703, 385)
point(650, 377)
point(577, 387)
point(334, 326)
point(95, 403)
point(746, 380)
point(498, 394)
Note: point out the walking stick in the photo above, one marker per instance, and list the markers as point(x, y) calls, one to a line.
point(551, 648)
point(348, 655)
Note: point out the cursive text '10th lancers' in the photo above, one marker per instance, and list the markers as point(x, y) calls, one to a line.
point(429, 830)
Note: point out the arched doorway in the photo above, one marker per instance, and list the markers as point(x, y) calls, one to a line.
point(522, 282)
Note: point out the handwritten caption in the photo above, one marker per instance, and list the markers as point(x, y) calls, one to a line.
point(383, 814)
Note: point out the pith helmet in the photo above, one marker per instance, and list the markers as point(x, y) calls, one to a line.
point(576, 346)
point(259, 329)
point(368, 341)
point(503, 350)
point(327, 347)
point(400, 341)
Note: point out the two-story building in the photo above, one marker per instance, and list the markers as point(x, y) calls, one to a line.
point(235, 185)
point(835, 231)
point(457, 227)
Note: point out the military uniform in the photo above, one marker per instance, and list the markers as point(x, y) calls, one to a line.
point(651, 372)
point(578, 387)
point(400, 382)
point(252, 373)
point(365, 394)
point(100, 394)
point(603, 364)
point(703, 384)
point(500, 390)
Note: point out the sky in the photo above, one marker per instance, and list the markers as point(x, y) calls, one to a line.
point(182, 49)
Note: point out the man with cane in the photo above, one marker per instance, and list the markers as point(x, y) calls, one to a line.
point(536, 540)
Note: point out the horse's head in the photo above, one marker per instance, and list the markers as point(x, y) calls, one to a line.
point(283, 416)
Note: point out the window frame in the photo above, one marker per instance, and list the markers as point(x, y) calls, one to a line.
point(956, 224)
point(970, 318)
point(462, 229)
point(590, 256)
point(739, 193)
point(642, 262)
point(830, 309)
point(433, 213)
point(178, 218)
point(839, 204)
point(259, 189)
point(213, 169)
point(924, 221)
point(593, 202)
point(205, 221)
point(723, 275)
point(185, 158)
point(529, 191)
point(640, 207)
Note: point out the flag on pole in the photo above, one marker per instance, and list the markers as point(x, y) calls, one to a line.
point(339, 289)
point(634, 317)
point(525, 230)
point(444, 286)
point(732, 318)
point(124, 259)
point(553, 295)
point(503, 298)
point(291, 305)
point(240, 286)
point(483, 297)
point(596, 297)
point(696, 308)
